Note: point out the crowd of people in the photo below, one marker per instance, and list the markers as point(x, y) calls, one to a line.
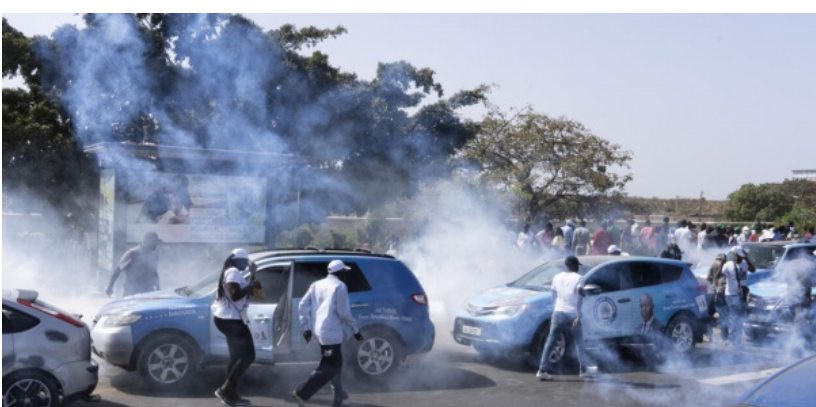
point(650, 239)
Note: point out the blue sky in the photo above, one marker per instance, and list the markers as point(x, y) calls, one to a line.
point(706, 102)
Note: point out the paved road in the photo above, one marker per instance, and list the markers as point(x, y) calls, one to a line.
point(454, 375)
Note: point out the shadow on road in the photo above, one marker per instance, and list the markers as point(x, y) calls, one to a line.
point(280, 380)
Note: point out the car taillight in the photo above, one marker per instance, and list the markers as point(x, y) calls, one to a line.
point(702, 287)
point(420, 298)
point(67, 318)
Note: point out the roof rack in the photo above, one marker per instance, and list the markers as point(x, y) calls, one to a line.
point(316, 251)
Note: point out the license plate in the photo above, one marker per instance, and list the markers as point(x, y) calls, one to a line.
point(471, 330)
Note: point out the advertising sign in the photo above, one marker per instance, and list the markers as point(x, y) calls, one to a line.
point(191, 208)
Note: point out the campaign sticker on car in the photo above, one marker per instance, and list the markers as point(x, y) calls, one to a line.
point(471, 330)
point(701, 303)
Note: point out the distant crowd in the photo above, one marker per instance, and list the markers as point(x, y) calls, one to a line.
point(648, 239)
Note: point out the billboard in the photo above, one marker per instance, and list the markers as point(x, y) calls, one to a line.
point(194, 208)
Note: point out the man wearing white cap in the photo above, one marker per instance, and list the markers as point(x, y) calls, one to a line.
point(735, 272)
point(324, 310)
point(615, 251)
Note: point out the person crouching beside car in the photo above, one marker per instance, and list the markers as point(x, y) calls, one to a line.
point(229, 315)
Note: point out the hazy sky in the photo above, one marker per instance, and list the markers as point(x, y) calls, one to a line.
point(706, 102)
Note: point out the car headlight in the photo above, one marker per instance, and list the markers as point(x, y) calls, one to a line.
point(510, 311)
point(120, 319)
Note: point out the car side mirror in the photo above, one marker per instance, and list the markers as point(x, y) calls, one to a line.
point(590, 289)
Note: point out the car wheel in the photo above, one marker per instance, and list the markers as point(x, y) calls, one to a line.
point(559, 354)
point(378, 355)
point(680, 334)
point(167, 362)
point(30, 388)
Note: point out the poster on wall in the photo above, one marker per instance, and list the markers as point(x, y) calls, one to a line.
point(191, 208)
point(105, 229)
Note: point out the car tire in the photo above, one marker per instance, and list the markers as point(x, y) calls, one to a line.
point(167, 362)
point(559, 355)
point(30, 388)
point(680, 335)
point(377, 356)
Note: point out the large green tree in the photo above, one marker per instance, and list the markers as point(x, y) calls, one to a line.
point(42, 163)
point(554, 166)
point(219, 81)
point(771, 202)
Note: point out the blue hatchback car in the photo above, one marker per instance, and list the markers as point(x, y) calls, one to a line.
point(513, 319)
point(167, 335)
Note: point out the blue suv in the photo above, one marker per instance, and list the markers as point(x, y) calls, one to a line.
point(168, 335)
point(619, 295)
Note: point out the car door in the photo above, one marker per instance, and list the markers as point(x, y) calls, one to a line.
point(274, 279)
point(655, 296)
point(606, 313)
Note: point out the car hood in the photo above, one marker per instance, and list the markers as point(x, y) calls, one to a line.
point(138, 301)
point(771, 289)
point(504, 295)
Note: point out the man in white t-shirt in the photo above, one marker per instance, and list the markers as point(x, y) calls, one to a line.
point(566, 318)
point(736, 276)
point(682, 237)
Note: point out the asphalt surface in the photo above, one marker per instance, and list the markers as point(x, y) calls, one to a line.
point(454, 375)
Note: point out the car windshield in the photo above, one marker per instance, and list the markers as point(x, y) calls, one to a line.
point(203, 287)
point(540, 278)
point(764, 257)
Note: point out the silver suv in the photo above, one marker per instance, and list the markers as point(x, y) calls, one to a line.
point(46, 353)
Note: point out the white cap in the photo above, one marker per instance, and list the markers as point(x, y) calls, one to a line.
point(613, 249)
point(737, 250)
point(745, 228)
point(240, 254)
point(337, 265)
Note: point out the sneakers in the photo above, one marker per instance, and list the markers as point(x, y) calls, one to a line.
point(591, 372)
point(300, 402)
point(231, 400)
point(225, 398)
point(240, 401)
point(543, 376)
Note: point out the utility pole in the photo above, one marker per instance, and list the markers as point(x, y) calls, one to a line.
point(700, 211)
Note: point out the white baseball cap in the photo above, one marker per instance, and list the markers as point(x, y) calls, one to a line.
point(613, 249)
point(737, 250)
point(337, 265)
point(240, 254)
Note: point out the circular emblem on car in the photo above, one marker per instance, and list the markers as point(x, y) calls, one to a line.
point(605, 311)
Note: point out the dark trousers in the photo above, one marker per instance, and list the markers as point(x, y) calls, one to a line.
point(241, 349)
point(329, 369)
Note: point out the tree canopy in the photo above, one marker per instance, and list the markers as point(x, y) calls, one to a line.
point(555, 166)
point(220, 81)
point(793, 199)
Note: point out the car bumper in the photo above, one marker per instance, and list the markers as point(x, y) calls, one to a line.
point(499, 333)
point(113, 344)
point(78, 379)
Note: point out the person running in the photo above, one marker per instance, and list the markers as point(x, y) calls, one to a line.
point(324, 311)
point(140, 266)
point(566, 319)
point(229, 316)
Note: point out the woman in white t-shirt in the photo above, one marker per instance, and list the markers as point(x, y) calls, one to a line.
point(229, 314)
